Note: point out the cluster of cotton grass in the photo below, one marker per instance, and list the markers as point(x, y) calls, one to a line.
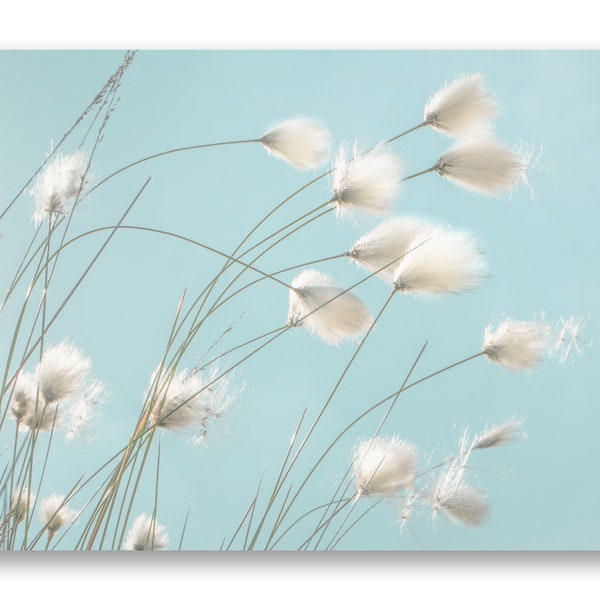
point(410, 255)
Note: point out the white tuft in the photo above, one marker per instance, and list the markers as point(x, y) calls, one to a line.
point(21, 502)
point(483, 166)
point(62, 180)
point(55, 514)
point(367, 182)
point(463, 108)
point(499, 435)
point(516, 345)
point(384, 466)
point(325, 309)
point(381, 249)
point(440, 261)
point(300, 142)
point(183, 399)
point(457, 500)
point(146, 534)
point(62, 372)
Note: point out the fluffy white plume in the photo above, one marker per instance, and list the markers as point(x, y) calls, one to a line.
point(516, 344)
point(381, 249)
point(62, 372)
point(482, 166)
point(326, 309)
point(384, 466)
point(146, 534)
point(440, 261)
point(21, 503)
point(462, 108)
point(61, 181)
point(456, 499)
point(302, 143)
point(55, 514)
point(368, 182)
point(185, 399)
point(499, 435)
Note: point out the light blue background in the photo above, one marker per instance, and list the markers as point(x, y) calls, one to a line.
point(541, 246)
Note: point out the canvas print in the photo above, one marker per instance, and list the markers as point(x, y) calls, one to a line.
point(309, 300)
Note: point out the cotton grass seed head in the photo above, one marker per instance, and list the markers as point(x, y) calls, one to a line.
point(368, 182)
point(381, 250)
point(516, 345)
point(326, 309)
point(482, 166)
point(60, 182)
point(21, 502)
point(302, 143)
point(55, 514)
point(384, 466)
point(146, 534)
point(440, 261)
point(462, 108)
point(499, 435)
point(62, 372)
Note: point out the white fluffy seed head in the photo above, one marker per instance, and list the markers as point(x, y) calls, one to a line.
point(440, 261)
point(326, 309)
point(516, 345)
point(146, 534)
point(384, 466)
point(381, 250)
point(61, 181)
point(62, 372)
point(24, 397)
point(462, 504)
point(462, 108)
point(21, 502)
point(482, 166)
point(55, 514)
point(499, 435)
point(302, 143)
point(368, 182)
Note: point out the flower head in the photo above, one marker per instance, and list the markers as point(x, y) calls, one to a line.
point(463, 108)
point(184, 399)
point(302, 143)
point(146, 534)
point(499, 435)
point(384, 466)
point(482, 166)
point(21, 502)
point(368, 182)
point(62, 372)
point(55, 514)
point(325, 309)
point(440, 261)
point(384, 247)
point(457, 500)
point(62, 180)
point(516, 344)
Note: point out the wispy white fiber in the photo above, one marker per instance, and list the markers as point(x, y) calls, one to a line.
point(61, 181)
point(367, 182)
point(462, 108)
point(482, 166)
point(21, 503)
point(381, 249)
point(146, 534)
point(499, 435)
point(384, 466)
point(302, 143)
point(326, 309)
point(516, 345)
point(567, 338)
point(457, 500)
point(440, 261)
point(55, 514)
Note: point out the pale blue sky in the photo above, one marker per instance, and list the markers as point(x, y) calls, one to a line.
point(540, 244)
